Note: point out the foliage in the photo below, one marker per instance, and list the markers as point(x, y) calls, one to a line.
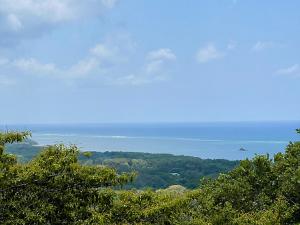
point(25, 150)
point(154, 170)
point(161, 170)
point(54, 188)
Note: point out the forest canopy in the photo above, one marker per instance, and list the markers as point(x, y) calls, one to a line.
point(153, 170)
point(55, 188)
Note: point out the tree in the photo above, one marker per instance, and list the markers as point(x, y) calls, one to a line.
point(54, 188)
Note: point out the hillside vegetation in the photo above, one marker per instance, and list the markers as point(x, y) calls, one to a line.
point(153, 170)
point(54, 188)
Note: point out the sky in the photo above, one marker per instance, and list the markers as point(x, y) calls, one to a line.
point(95, 61)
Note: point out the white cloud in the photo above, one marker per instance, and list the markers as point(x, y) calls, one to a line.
point(14, 22)
point(161, 54)
point(104, 56)
point(109, 53)
point(155, 69)
point(45, 10)
point(83, 68)
point(157, 61)
point(53, 11)
point(260, 45)
point(293, 70)
point(103, 51)
point(131, 79)
point(22, 18)
point(35, 67)
point(209, 53)
point(139, 79)
point(114, 49)
point(105, 63)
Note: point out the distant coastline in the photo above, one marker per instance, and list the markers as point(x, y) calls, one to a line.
point(205, 140)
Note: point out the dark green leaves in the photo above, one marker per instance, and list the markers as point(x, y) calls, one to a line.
point(54, 188)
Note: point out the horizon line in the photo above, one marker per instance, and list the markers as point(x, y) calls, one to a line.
point(152, 122)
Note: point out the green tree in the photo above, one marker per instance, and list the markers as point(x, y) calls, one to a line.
point(54, 188)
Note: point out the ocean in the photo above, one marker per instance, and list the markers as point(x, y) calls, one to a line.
point(220, 140)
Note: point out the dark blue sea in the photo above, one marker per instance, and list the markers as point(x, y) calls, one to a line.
point(205, 140)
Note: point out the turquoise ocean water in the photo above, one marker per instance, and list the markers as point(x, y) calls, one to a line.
point(205, 140)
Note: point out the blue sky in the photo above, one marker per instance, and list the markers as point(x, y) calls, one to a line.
point(84, 61)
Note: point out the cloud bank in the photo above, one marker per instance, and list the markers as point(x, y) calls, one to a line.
point(20, 19)
point(108, 62)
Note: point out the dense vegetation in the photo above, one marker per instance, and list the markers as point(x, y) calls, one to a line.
point(25, 150)
point(54, 188)
point(154, 170)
